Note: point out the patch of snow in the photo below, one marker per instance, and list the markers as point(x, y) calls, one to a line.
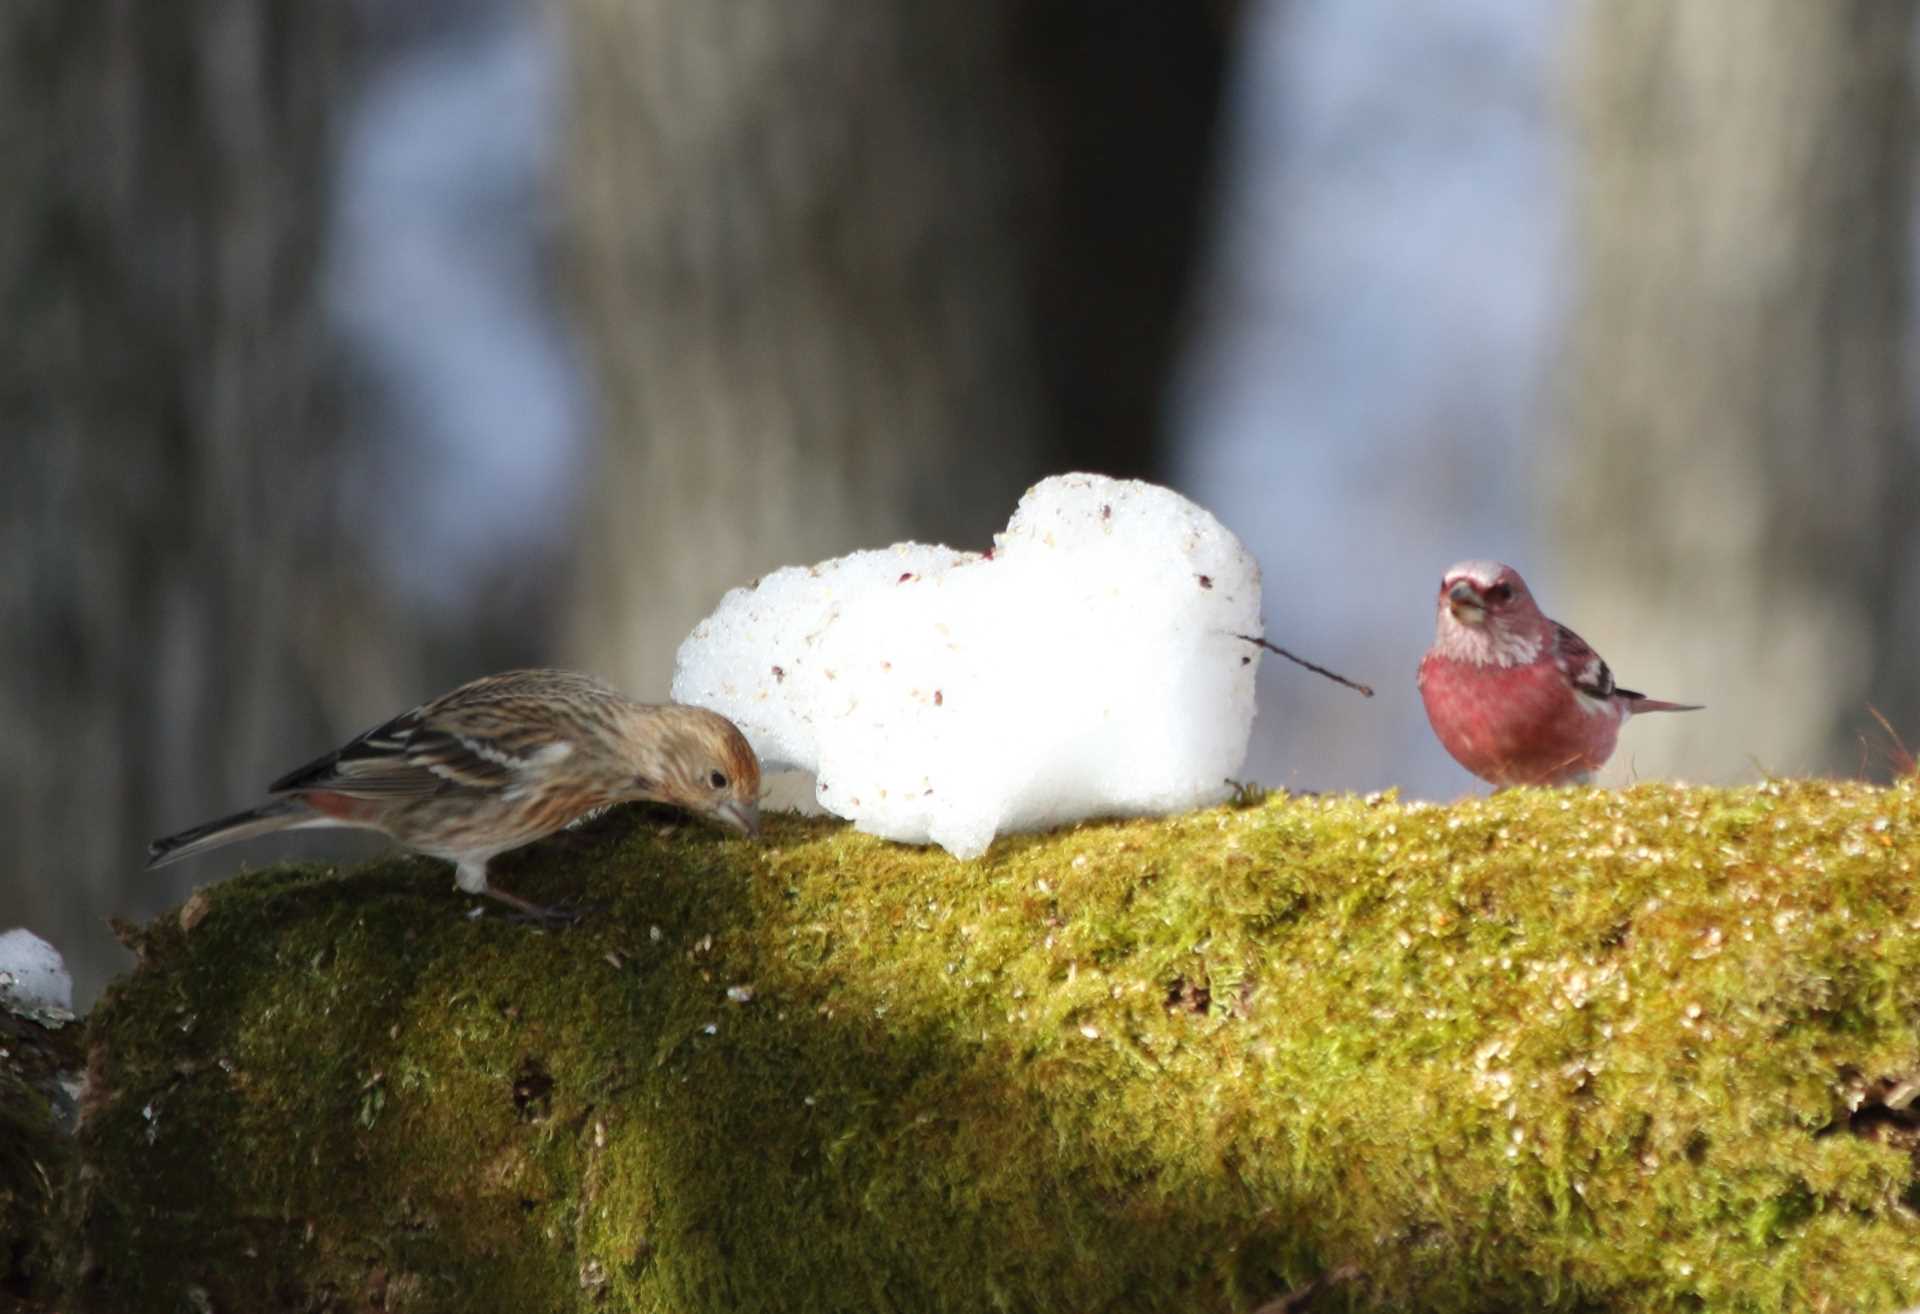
point(1086, 666)
point(33, 976)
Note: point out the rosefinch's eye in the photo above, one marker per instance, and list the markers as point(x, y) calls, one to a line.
point(718, 780)
point(1500, 593)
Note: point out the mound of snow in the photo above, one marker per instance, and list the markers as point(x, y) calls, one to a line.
point(33, 977)
point(1086, 666)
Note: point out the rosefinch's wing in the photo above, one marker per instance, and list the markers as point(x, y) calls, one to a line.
point(1581, 664)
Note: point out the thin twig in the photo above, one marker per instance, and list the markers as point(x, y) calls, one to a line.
point(1317, 670)
point(1300, 1298)
point(1903, 757)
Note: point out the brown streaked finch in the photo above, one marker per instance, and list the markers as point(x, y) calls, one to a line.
point(1516, 698)
point(498, 763)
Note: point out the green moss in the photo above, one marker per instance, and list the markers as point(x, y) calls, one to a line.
point(37, 1053)
point(32, 1158)
point(1574, 1050)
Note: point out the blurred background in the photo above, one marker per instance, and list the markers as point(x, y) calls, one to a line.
point(351, 350)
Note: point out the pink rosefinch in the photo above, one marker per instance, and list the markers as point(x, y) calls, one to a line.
point(1516, 698)
point(498, 763)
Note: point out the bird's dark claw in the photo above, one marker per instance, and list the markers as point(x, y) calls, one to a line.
point(551, 917)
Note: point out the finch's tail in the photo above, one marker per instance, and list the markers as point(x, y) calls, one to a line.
point(279, 814)
point(1639, 702)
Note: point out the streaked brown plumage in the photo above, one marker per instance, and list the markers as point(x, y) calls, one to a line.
point(499, 763)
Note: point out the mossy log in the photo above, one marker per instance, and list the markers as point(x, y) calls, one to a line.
point(1571, 1050)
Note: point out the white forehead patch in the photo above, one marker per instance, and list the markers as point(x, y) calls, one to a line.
point(1481, 574)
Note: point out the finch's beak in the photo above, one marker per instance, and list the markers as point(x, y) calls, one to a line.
point(1465, 604)
point(743, 817)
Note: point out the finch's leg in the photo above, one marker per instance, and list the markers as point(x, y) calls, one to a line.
point(472, 877)
point(539, 914)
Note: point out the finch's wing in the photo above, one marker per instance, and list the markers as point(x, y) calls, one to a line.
point(1581, 664)
point(378, 764)
point(476, 744)
point(489, 742)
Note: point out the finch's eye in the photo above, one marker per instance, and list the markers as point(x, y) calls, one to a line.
point(718, 780)
point(1500, 593)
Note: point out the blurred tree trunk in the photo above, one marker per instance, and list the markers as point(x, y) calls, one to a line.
point(1738, 513)
point(175, 602)
point(855, 273)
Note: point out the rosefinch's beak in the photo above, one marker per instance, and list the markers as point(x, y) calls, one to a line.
point(1464, 603)
point(743, 817)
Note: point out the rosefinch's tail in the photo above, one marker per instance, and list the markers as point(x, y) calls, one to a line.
point(280, 814)
point(1639, 702)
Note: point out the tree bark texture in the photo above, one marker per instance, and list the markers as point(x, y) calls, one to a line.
point(177, 608)
point(1738, 508)
point(849, 275)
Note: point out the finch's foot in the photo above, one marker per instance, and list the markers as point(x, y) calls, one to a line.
point(549, 917)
